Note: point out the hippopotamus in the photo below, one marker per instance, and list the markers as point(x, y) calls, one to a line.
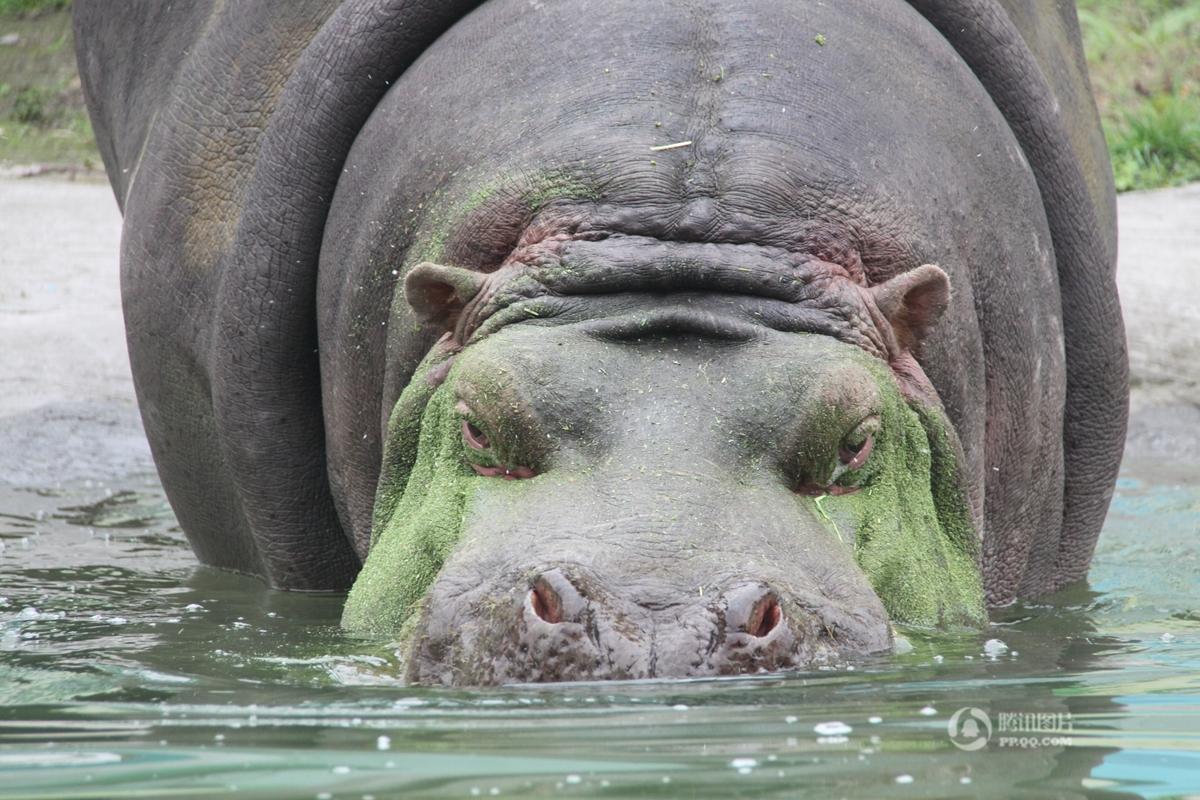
point(633, 340)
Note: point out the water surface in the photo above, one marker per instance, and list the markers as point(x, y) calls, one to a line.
point(128, 671)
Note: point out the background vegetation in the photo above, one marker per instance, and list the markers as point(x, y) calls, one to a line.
point(42, 118)
point(1144, 57)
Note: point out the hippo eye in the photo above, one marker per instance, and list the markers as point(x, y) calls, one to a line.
point(475, 438)
point(854, 455)
point(857, 445)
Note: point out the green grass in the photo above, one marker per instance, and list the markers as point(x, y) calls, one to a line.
point(1144, 59)
point(12, 8)
point(42, 118)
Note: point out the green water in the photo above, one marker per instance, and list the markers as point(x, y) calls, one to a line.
point(128, 671)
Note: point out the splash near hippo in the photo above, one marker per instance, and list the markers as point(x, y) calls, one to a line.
point(666, 341)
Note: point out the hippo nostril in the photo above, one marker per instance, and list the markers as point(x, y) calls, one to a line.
point(546, 602)
point(765, 617)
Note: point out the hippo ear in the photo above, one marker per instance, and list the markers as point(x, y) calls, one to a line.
point(913, 302)
point(438, 294)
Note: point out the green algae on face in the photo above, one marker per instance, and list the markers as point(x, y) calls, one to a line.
point(914, 537)
point(419, 509)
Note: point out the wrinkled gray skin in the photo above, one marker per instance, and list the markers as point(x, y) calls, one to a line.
point(282, 167)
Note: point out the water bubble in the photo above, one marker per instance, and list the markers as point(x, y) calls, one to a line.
point(383, 743)
point(906, 778)
point(874, 720)
point(833, 728)
point(791, 720)
point(341, 770)
point(965, 779)
point(193, 607)
point(938, 659)
point(573, 779)
point(928, 711)
point(744, 765)
point(994, 648)
point(679, 707)
point(1167, 637)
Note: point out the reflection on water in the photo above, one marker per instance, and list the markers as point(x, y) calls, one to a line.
point(127, 671)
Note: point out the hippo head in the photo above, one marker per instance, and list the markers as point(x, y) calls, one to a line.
point(631, 458)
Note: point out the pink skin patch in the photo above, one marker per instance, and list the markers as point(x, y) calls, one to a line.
point(513, 474)
point(478, 440)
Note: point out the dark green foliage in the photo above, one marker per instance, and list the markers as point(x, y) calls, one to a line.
point(27, 7)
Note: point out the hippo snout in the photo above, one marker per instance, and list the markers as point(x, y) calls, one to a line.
point(565, 624)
